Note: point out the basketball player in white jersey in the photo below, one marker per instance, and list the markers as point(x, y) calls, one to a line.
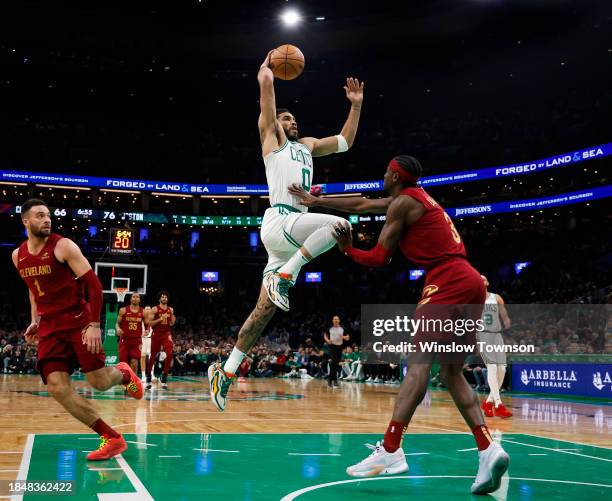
point(292, 237)
point(146, 342)
point(495, 318)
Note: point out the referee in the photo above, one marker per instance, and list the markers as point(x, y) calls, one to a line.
point(335, 338)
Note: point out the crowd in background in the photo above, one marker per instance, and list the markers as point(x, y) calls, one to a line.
point(294, 346)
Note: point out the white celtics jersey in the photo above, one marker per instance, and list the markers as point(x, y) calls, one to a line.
point(290, 164)
point(490, 314)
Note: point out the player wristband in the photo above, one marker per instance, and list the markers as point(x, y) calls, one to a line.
point(94, 295)
point(378, 256)
point(342, 144)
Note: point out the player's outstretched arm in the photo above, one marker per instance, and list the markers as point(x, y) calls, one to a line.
point(270, 132)
point(343, 141)
point(402, 212)
point(355, 205)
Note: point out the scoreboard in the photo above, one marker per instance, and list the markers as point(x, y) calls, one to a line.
point(121, 241)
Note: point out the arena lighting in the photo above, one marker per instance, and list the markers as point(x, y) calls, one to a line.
point(179, 195)
point(63, 187)
point(290, 17)
point(223, 196)
point(119, 191)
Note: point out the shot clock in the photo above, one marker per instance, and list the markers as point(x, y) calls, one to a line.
point(121, 241)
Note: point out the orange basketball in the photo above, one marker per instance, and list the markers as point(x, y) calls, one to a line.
point(287, 62)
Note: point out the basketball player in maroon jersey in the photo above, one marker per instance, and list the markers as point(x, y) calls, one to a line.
point(130, 327)
point(426, 236)
point(161, 319)
point(65, 326)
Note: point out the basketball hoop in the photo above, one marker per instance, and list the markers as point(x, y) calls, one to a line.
point(121, 292)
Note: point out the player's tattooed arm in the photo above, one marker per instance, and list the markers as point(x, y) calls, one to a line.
point(329, 145)
point(256, 322)
point(354, 205)
point(172, 317)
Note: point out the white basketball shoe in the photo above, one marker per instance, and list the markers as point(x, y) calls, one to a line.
point(380, 462)
point(492, 464)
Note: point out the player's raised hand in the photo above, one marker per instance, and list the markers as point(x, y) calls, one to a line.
point(304, 198)
point(354, 90)
point(342, 233)
point(92, 338)
point(31, 333)
point(266, 61)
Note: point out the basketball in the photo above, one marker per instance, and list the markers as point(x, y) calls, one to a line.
point(287, 62)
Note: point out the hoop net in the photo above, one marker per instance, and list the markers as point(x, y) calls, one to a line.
point(121, 292)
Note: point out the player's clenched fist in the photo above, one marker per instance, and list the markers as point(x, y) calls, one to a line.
point(31, 333)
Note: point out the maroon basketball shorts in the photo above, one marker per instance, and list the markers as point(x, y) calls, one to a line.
point(450, 307)
point(129, 348)
point(61, 348)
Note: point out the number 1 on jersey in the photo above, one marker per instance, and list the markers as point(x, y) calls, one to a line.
point(40, 291)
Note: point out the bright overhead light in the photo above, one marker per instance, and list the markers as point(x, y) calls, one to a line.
point(291, 17)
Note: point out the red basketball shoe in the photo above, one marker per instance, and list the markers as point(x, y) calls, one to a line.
point(502, 412)
point(109, 447)
point(487, 408)
point(134, 387)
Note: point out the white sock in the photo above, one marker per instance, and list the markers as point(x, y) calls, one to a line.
point(233, 362)
point(501, 374)
point(493, 384)
point(294, 265)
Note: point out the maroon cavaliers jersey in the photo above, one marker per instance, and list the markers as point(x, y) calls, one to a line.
point(131, 324)
point(52, 283)
point(162, 328)
point(433, 238)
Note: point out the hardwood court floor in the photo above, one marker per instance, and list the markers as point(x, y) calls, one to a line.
point(297, 435)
